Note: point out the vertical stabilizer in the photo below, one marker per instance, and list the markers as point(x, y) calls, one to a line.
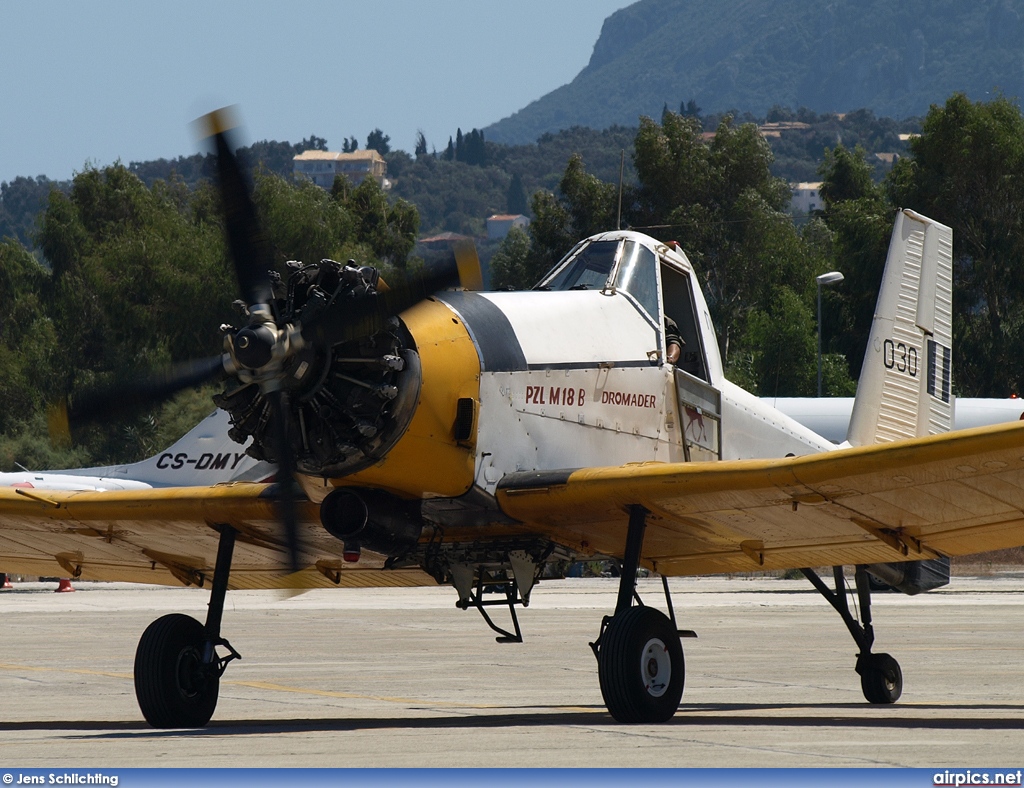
point(904, 387)
point(206, 454)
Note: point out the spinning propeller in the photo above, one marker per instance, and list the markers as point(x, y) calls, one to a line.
point(257, 353)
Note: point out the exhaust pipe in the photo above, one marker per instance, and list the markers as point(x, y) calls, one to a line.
point(377, 520)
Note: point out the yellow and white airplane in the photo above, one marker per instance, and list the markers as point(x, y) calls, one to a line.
point(487, 440)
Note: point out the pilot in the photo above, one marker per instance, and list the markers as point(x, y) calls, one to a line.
point(674, 343)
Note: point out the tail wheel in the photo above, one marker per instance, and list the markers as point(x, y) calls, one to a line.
point(640, 665)
point(172, 685)
point(881, 678)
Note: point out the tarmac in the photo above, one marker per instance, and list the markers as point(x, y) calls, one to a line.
point(401, 678)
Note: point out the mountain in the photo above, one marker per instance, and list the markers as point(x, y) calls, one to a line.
point(895, 58)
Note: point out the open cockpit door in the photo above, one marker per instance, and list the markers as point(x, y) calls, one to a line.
point(680, 306)
point(699, 403)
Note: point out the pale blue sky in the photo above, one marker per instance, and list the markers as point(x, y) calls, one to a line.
point(107, 80)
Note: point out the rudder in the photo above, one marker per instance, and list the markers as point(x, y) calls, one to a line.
point(904, 386)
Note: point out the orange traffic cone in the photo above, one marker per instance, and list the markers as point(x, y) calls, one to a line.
point(64, 586)
point(6, 584)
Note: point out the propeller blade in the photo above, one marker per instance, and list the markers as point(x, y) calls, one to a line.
point(471, 275)
point(249, 249)
point(125, 396)
point(287, 511)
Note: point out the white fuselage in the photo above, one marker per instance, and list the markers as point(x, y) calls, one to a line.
point(576, 378)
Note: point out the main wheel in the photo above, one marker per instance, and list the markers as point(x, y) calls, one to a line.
point(640, 665)
point(881, 679)
point(173, 687)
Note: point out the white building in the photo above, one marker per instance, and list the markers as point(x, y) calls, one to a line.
point(806, 198)
point(321, 167)
point(499, 224)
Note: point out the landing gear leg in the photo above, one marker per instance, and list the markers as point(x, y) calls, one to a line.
point(639, 656)
point(881, 678)
point(177, 668)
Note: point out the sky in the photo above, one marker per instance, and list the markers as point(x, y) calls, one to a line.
point(96, 82)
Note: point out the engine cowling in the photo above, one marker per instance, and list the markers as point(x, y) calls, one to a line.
point(348, 404)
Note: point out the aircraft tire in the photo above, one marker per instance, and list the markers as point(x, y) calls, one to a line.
point(640, 666)
point(881, 679)
point(171, 687)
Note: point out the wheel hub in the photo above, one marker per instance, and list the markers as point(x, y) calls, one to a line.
point(190, 673)
point(656, 665)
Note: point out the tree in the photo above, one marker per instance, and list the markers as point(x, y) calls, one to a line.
point(858, 222)
point(967, 171)
point(125, 259)
point(351, 145)
point(388, 230)
point(515, 199)
point(721, 202)
point(312, 143)
point(470, 148)
point(379, 141)
point(587, 205)
point(421, 144)
point(846, 176)
point(29, 373)
point(781, 340)
point(302, 221)
point(21, 201)
point(510, 263)
point(689, 109)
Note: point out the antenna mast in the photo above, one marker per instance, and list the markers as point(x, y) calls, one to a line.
point(622, 161)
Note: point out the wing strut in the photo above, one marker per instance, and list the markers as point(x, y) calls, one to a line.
point(881, 678)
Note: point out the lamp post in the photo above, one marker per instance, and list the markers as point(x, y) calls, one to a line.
point(831, 278)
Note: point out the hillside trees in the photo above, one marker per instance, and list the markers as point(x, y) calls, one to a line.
point(21, 202)
point(28, 341)
point(140, 277)
point(967, 171)
point(859, 218)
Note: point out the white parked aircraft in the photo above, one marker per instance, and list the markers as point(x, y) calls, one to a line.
point(204, 455)
point(830, 416)
point(487, 439)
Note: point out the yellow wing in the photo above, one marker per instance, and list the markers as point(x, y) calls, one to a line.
point(169, 536)
point(948, 494)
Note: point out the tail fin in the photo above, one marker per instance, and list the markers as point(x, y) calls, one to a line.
point(205, 455)
point(904, 387)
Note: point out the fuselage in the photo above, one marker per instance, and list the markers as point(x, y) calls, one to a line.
point(573, 374)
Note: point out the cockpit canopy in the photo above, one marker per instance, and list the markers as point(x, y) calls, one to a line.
point(623, 264)
point(657, 280)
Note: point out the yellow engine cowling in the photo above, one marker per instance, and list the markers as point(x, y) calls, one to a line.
point(435, 455)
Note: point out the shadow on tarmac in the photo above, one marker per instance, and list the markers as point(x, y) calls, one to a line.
point(845, 716)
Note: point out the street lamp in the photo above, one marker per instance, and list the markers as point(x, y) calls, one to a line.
point(831, 278)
